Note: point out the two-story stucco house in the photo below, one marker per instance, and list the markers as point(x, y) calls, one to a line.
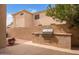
point(27, 19)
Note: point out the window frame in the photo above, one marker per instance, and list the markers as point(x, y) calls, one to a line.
point(37, 16)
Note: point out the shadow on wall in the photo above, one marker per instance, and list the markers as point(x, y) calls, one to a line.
point(51, 38)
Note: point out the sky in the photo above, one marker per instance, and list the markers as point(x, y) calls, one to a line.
point(13, 8)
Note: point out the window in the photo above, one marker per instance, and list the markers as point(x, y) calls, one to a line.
point(22, 14)
point(36, 17)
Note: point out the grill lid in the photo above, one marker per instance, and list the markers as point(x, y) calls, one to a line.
point(47, 31)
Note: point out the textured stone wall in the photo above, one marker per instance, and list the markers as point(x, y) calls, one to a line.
point(65, 29)
point(62, 40)
point(23, 33)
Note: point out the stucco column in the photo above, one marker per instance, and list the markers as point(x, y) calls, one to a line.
point(2, 25)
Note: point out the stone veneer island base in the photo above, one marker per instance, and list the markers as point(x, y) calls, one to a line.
point(62, 40)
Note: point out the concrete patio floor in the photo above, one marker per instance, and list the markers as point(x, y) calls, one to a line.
point(28, 48)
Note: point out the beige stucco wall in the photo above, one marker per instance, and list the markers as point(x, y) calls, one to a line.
point(45, 20)
point(18, 20)
point(24, 20)
point(2, 25)
point(29, 20)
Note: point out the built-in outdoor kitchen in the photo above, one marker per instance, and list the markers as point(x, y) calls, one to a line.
point(39, 28)
point(47, 36)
